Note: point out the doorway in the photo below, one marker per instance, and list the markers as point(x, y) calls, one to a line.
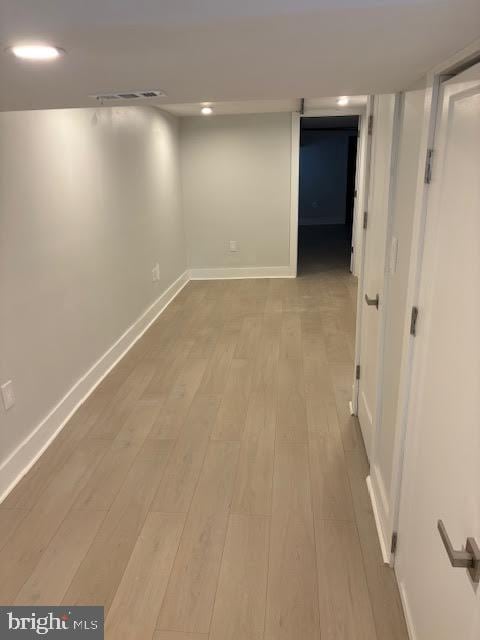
point(327, 192)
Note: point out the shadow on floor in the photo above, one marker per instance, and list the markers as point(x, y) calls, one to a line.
point(323, 248)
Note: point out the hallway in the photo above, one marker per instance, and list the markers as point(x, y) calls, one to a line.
point(214, 483)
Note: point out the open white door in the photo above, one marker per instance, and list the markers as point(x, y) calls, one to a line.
point(371, 295)
point(441, 479)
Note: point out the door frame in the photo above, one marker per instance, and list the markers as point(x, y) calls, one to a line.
point(362, 161)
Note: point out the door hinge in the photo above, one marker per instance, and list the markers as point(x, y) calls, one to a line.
point(413, 321)
point(357, 372)
point(393, 546)
point(370, 125)
point(355, 193)
point(365, 219)
point(428, 166)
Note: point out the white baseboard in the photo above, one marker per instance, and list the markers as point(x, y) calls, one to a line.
point(406, 610)
point(224, 273)
point(385, 552)
point(27, 453)
point(381, 503)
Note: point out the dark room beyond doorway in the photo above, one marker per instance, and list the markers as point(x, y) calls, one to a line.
point(328, 156)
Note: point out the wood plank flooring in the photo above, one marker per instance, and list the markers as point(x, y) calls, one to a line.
point(213, 485)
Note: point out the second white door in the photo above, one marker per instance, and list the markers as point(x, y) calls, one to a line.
point(371, 309)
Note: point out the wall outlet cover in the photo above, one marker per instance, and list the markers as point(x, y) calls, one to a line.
point(8, 395)
point(156, 273)
point(233, 245)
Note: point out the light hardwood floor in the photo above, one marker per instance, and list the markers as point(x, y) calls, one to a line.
point(213, 486)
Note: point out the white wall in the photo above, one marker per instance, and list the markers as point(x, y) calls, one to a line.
point(89, 202)
point(236, 186)
point(401, 230)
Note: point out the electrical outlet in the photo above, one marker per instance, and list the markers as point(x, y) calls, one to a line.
point(156, 273)
point(8, 395)
point(233, 245)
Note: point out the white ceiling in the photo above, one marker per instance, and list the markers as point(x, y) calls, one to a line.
point(226, 50)
point(240, 106)
point(354, 102)
point(266, 106)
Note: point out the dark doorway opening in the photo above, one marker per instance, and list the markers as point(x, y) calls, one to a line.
point(327, 191)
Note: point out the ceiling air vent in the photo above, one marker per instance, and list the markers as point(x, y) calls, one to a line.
point(130, 95)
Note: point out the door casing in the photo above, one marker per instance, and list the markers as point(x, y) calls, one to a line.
point(362, 161)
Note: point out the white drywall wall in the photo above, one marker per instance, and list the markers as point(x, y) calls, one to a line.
point(89, 203)
point(236, 186)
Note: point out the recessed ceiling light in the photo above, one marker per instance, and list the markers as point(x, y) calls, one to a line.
point(343, 101)
point(36, 52)
point(206, 111)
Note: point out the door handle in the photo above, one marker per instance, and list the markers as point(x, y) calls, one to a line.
point(372, 302)
point(468, 558)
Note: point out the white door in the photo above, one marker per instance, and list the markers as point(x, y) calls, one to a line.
point(442, 458)
point(370, 317)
